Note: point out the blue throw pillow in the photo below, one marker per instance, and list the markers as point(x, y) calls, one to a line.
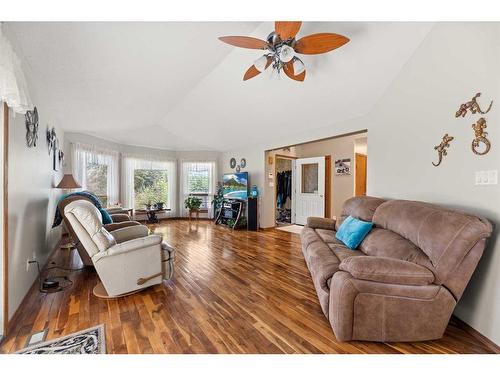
point(106, 217)
point(352, 231)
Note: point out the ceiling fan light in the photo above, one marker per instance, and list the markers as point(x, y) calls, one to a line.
point(286, 53)
point(260, 63)
point(298, 66)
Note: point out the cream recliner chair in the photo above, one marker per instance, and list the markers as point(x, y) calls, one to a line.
point(127, 259)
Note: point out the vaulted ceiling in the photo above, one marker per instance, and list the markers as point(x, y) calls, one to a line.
point(175, 86)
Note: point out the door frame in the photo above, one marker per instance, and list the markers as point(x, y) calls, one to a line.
point(5, 227)
point(276, 157)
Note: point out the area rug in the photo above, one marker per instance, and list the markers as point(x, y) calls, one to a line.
point(291, 228)
point(89, 341)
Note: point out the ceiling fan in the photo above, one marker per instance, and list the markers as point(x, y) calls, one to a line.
point(282, 49)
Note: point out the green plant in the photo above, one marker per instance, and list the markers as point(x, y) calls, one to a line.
point(192, 203)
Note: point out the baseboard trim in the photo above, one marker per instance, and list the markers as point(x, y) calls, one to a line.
point(17, 313)
point(478, 336)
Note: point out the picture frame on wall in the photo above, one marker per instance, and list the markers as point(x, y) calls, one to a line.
point(343, 167)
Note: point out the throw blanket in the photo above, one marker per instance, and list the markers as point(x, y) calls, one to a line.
point(58, 216)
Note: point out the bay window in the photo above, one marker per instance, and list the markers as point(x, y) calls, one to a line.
point(199, 180)
point(148, 182)
point(96, 170)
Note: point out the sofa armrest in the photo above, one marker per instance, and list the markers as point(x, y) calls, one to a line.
point(128, 246)
point(387, 270)
point(321, 223)
point(116, 210)
point(114, 226)
point(129, 233)
point(119, 218)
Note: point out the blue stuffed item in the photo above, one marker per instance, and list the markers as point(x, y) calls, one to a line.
point(106, 217)
point(353, 231)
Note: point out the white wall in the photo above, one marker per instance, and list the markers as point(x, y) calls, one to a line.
point(32, 202)
point(455, 61)
point(1, 220)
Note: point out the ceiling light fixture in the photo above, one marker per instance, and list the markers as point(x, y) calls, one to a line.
point(282, 48)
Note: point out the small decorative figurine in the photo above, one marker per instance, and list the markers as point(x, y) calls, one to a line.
point(441, 148)
point(31, 127)
point(480, 137)
point(472, 106)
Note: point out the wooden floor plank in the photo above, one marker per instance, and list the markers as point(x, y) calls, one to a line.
point(233, 292)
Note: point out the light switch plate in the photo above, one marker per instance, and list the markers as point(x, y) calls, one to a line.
point(486, 177)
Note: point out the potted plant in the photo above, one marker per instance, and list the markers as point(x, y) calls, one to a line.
point(193, 205)
point(218, 199)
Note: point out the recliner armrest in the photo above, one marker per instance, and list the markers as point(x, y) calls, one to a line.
point(120, 217)
point(321, 223)
point(129, 233)
point(114, 226)
point(387, 270)
point(128, 246)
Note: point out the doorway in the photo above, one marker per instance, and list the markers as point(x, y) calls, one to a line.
point(284, 189)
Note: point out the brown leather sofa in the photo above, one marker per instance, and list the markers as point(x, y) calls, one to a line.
point(121, 219)
point(406, 277)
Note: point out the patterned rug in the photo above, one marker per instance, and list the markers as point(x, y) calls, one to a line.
point(89, 341)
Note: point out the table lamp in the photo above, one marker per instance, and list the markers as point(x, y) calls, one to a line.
point(68, 183)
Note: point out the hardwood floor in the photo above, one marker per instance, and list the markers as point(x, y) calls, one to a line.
point(233, 292)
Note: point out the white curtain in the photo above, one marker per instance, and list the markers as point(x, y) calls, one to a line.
point(13, 88)
point(82, 155)
point(132, 162)
point(195, 169)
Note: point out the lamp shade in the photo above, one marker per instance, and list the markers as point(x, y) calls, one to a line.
point(68, 182)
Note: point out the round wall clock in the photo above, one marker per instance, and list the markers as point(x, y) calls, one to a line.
point(243, 163)
point(232, 163)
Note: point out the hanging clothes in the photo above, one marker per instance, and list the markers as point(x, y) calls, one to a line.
point(283, 187)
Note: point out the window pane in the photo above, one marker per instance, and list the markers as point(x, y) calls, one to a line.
point(310, 178)
point(97, 180)
point(150, 187)
point(198, 180)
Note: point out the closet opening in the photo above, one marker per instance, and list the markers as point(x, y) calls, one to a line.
point(284, 180)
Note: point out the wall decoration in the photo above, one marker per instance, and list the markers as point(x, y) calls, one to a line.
point(342, 167)
point(31, 127)
point(473, 106)
point(232, 162)
point(441, 148)
point(238, 167)
point(53, 146)
point(480, 137)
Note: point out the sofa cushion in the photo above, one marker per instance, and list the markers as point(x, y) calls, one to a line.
point(342, 252)
point(445, 236)
point(385, 243)
point(361, 208)
point(328, 236)
point(387, 270)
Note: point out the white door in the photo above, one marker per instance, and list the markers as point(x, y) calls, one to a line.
point(309, 189)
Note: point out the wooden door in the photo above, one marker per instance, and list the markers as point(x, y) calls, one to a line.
point(309, 189)
point(360, 182)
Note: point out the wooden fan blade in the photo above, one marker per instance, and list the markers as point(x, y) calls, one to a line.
point(244, 42)
point(288, 68)
point(287, 29)
point(252, 71)
point(319, 43)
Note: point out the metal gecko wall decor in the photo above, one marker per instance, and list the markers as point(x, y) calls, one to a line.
point(472, 106)
point(441, 148)
point(31, 127)
point(480, 137)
